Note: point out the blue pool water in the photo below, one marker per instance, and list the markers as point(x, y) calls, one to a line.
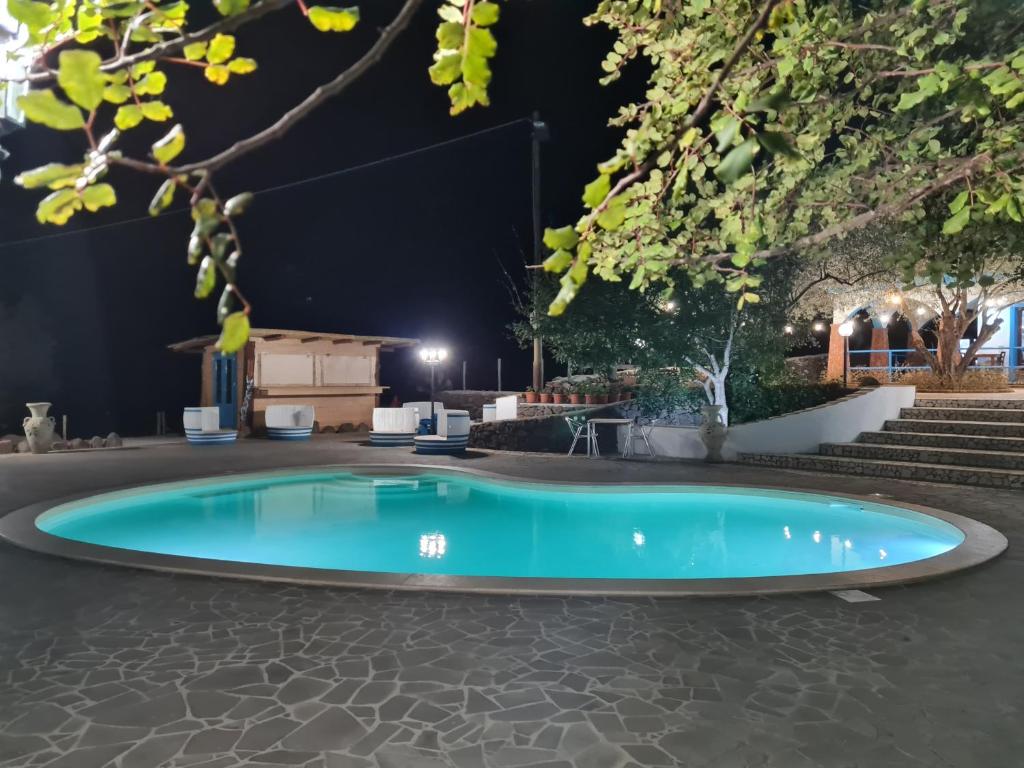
point(442, 524)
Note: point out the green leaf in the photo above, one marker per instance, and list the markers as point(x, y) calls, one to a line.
point(98, 196)
point(230, 7)
point(45, 108)
point(156, 111)
point(774, 100)
point(217, 74)
point(80, 77)
point(476, 70)
point(596, 191)
point(195, 51)
point(613, 214)
point(117, 93)
point(128, 116)
point(329, 19)
point(152, 84)
point(237, 204)
point(1013, 211)
point(242, 65)
point(225, 304)
point(481, 42)
point(737, 162)
point(563, 238)
point(726, 134)
point(450, 36)
point(777, 144)
point(959, 201)
point(170, 146)
point(52, 175)
point(485, 14)
point(221, 48)
point(957, 221)
point(446, 69)
point(58, 207)
point(33, 15)
point(206, 278)
point(142, 69)
point(234, 333)
point(163, 198)
point(558, 261)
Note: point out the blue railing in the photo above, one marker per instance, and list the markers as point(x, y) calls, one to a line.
point(1009, 359)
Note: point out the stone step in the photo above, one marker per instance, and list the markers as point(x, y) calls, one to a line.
point(988, 428)
point(966, 402)
point(899, 470)
point(964, 414)
point(922, 455)
point(941, 440)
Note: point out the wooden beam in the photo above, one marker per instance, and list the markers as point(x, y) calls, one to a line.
point(342, 341)
point(370, 343)
point(272, 337)
point(311, 339)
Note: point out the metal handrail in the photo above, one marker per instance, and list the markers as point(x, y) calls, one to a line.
point(892, 363)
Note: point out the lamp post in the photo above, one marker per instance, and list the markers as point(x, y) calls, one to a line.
point(433, 357)
point(846, 330)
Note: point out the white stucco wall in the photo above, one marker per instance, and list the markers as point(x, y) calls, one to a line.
point(801, 432)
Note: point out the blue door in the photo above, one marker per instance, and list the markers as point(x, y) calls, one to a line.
point(225, 388)
point(1016, 356)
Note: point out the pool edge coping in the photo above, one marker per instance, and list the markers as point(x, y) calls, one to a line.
point(981, 543)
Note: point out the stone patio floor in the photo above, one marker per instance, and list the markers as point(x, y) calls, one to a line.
point(102, 666)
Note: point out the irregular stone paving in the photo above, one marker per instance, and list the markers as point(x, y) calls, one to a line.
point(104, 667)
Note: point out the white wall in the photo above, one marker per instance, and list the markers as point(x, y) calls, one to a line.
point(801, 432)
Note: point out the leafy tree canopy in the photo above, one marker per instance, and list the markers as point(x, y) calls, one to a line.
point(772, 127)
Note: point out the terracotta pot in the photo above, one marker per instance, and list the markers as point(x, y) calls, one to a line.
point(558, 398)
point(590, 399)
point(601, 399)
point(574, 398)
point(531, 397)
point(626, 396)
point(545, 397)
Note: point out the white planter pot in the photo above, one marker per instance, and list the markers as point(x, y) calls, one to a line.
point(713, 432)
point(38, 427)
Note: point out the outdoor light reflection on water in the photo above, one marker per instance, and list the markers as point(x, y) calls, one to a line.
point(433, 545)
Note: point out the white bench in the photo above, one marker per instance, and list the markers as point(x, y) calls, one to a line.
point(394, 426)
point(289, 422)
point(202, 426)
point(452, 434)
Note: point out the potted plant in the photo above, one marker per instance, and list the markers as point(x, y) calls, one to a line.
point(545, 395)
point(575, 395)
point(557, 396)
point(531, 395)
point(600, 393)
point(589, 391)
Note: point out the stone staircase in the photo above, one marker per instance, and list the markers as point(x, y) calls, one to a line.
point(964, 441)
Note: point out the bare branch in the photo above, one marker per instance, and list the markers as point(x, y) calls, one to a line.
point(295, 114)
point(175, 44)
point(886, 211)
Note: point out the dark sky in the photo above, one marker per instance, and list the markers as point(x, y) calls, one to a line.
point(410, 247)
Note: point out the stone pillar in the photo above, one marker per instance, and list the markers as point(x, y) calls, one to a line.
point(834, 371)
point(879, 358)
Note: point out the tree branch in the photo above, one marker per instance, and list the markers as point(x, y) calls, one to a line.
point(860, 221)
point(295, 114)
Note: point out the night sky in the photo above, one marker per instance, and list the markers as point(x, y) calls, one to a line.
point(412, 247)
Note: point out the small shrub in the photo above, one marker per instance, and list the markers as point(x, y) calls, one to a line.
point(755, 398)
point(661, 393)
point(972, 381)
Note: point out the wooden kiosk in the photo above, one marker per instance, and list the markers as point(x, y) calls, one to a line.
point(337, 373)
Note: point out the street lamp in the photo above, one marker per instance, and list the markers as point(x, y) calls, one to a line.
point(846, 330)
point(433, 357)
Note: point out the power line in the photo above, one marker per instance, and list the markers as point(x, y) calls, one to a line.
point(277, 187)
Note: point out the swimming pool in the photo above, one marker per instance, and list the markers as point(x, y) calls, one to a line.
point(464, 527)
